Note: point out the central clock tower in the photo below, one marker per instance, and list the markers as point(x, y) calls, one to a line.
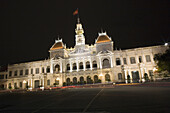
point(80, 39)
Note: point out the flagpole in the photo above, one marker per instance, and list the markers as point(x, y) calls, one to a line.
point(78, 19)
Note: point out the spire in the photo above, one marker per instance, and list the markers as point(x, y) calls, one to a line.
point(79, 29)
point(78, 20)
point(80, 39)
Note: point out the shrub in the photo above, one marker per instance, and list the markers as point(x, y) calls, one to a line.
point(64, 84)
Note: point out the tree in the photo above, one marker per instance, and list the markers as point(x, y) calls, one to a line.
point(163, 61)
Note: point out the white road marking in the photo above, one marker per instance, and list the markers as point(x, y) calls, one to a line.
point(92, 101)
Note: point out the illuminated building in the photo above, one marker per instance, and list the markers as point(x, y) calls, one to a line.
point(83, 64)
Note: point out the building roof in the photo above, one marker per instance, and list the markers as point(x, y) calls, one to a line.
point(57, 45)
point(103, 38)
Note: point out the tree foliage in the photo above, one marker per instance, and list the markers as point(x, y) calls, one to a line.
point(163, 61)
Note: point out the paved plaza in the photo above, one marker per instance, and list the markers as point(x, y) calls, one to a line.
point(111, 99)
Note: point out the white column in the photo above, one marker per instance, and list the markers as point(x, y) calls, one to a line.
point(61, 66)
point(143, 58)
point(111, 60)
point(129, 72)
point(45, 69)
point(121, 60)
point(43, 82)
point(31, 83)
point(71, 66)
point(137, 59)
point(125, 76)
point(145, 70)
point(77, 64)
point(100, 62)
point(142, 74)
point(84, 66)
point(128, 60)
point(91, 66)
point(51, 67)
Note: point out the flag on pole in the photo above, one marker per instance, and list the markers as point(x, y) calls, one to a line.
point(75, 12)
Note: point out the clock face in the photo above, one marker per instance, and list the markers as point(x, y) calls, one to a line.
point(79, 40)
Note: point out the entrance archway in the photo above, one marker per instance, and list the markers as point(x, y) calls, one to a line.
point(74, 80)
point(135, 76)
point(107, 77)
point(95, 79)
point(89, 81)
point(68, 81)
point(81, 80)
point(36, 83)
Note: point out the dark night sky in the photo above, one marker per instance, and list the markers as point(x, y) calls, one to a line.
point(29, 28)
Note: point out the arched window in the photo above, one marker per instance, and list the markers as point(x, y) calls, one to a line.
point(74, 80)
point(74, 66)
point(106, 63)
point(68, 67)
point(118, 61)
point(119, 76)
point(107, 77)
point(81, 80)
point(87, 65)
point(48, 69)
point(94, 64)
point(81, 65)
point(57, 68)
point(95, 79)
point(68, 80)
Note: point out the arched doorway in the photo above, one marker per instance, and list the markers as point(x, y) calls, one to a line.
point(68, 81)
point(120, 76)
point(106, 63)
point(81, 80)
point(107, 77)
point(135, 76)
point(128, 78)
point(95, 79)
point(89, 80)
point(74, 80)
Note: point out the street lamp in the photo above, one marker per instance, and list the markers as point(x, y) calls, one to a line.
point(58, 78)
point(24, 81)
point(155, 69)
point(101, 75)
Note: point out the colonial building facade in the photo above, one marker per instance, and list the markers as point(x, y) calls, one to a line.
point(83, 64)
